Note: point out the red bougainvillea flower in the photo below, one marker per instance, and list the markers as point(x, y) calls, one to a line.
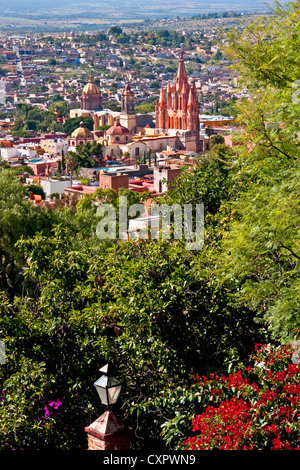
point(258, 408)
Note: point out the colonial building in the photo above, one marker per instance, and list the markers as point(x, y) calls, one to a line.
point(118, 140)
point(118, 134)
point(178, 112)
point(80, 136)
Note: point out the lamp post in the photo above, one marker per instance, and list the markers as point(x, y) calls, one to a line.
point(108, 432)
point(108, 387)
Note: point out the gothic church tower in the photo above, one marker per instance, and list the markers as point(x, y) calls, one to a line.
point(180, 110)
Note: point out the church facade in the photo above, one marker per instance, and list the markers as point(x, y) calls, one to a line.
point(177, 113)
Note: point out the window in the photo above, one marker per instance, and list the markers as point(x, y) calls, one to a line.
point(137, 151)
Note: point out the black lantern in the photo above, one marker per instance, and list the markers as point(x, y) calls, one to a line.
point(108, 387)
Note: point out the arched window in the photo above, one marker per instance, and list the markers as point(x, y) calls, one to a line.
point(117, 139)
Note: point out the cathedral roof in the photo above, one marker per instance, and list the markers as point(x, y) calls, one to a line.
point(91, 88)
point(117, 129)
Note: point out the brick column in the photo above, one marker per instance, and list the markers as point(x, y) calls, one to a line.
point(108, 433)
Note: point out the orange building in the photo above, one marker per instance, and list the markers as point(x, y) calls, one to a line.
point(113, 181)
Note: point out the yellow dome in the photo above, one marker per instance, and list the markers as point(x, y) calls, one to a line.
point(81, 132)
point(91, 88)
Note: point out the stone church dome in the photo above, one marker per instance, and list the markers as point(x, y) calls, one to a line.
point(91, 88)
point(81, 132)
point(117, 129)
point(91, 97)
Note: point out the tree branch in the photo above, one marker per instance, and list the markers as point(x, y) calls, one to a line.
point(290, 250)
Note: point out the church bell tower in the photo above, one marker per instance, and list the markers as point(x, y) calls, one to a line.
point(128, 116)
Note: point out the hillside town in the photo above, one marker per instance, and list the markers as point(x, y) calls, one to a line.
point(111, 90)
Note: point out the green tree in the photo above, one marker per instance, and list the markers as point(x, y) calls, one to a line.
point(217, 139)
point(59, 107)
point(145, 108)
point(73, 123)
point(36, 189)
point(18, 218)
point(89, 154)
point(114, 31)
point(71, 160)
point(261, 249)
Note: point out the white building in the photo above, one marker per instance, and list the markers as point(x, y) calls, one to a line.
point(55, 146)
point(55, 186)
point(9, 153)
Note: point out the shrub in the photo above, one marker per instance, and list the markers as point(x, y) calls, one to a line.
point(257, 409)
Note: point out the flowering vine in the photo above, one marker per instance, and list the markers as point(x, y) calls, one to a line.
point(50, 409)
point(257, 409)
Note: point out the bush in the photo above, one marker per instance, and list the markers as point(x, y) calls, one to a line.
point(258, 409)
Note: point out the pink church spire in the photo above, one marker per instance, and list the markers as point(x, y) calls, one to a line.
point(162, 103)
point(181, 77)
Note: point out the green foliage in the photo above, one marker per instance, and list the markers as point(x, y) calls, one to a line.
point(59, 107)
point(113, 106)
point(145, 108)
point(36, 189)
point(164, 37)
point(18, 217)
point(103, 128)
point(30, 118)
point(261, 249)
point(89, 154)
point(114, 31)
point(21, 170)
point(217, 139)
point(73, 123)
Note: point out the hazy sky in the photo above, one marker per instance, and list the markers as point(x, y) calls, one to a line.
point(216, 5)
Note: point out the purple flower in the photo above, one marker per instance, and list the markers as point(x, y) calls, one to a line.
point(55, 404)
point(46, 414)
